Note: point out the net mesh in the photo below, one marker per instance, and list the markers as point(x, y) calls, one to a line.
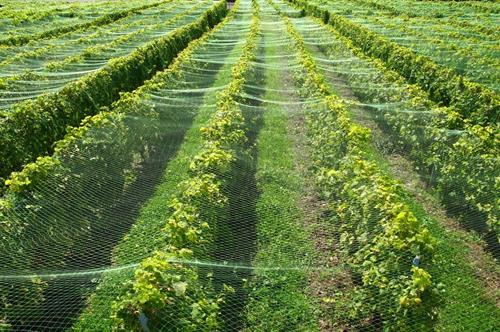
point(458, 38)
point(93, 247)
point(41, 16)
point(48, 65)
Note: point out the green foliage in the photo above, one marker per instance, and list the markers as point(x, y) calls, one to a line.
point(378, 233)
point(195, 212)
point(473, 101)
point(169, 295)
point(185, 222)
point(94, 50)
point(468, 172)
point(30, 128)
point(457, 156)
point(98, 132)
point(31, 174)
point(104, 19)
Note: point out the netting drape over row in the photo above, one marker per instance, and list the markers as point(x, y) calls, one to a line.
point(272, 178)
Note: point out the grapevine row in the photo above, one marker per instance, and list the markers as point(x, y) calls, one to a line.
point(17, 233)
point(96, 50)
point(455, 156)
point(31, 127)
point(378, 232)
point(429, 12)
point(474, 102)
point(152, 225)
point(196, 209)
point(105, 19)
point(42, 48)
point(99, 50)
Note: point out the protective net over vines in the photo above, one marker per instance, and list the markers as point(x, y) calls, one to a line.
point(47, 65)
point(275, 176)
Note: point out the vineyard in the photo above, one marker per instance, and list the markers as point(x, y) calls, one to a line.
point(257, 165)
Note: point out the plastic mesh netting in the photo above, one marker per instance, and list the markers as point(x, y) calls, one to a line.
point(240, 190)
point(47, 65)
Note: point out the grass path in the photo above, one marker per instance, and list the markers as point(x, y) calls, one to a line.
point(281, 297)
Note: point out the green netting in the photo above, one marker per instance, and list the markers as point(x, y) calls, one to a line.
point(32, 17)
point(150, 221)
point(457, 37)
point(47, 65)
